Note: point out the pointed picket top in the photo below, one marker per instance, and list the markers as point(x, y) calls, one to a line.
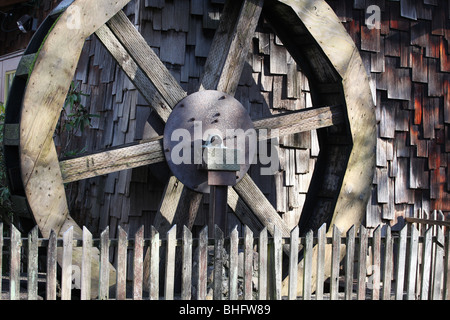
point(103, 291)
point(138, 259)
point(186, 271)
point(169, 283)
point(262, 267)
point(321, 239)
point(234, 260)
point(14, 281)
point(121, 270)
point(293, 264)
point(335, 260)
point(51, 266)
point(154, 264)
point(349, 262)
point(32, 283)
point(86, 264)
point(248, 262)
point(66, 277)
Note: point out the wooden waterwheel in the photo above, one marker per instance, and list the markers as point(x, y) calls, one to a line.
point(343, 113)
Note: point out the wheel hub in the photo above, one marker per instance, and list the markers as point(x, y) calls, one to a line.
point(195, 121)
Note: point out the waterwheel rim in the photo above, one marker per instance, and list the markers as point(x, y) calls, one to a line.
point(314, 37)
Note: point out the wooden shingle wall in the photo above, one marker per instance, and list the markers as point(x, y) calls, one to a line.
point(408, 62)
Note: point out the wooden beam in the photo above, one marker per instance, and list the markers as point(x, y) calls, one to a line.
point(146, 58)
point(230, 45)
point(260, 206)
point(134, 72)
point(104, 162)
point(300, 121)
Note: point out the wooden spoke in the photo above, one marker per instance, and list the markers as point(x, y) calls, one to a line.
point(230, 45)
point(300, 121)
point(141, 64)
point(135, 73)
point(104, 162)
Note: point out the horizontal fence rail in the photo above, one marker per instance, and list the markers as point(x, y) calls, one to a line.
point(364, 264)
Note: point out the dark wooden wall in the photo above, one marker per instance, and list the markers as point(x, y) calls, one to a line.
point(407, 59)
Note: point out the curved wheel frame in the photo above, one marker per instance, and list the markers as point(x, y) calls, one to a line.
point(313, 35)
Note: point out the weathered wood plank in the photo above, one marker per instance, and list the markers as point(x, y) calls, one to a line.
point(293, 264)
point(299, 121)
point(362, 258)
point(134, 72)
point(438, 270)
point(202, 264)
point(277, 263)
point(32, 270)
point(66, 266)
point(321, 242)
point(388, 264)
point(234, 260)
point(103, 284)
point(349, 262)
point(138, 258)
point(335, 259)
point(154, 264)
point(230, 46)
point(186, 271)
point(146, 58)
point(376, 265)
point(218, 262)
point(108, 161)
point(262, 264)
point(51, 267)
point(260, 205)
point(412, 264)
point(248, 263)
point(401, 263)
point(169, 283)
point(14, 265)
point(86, 265)
point(426, 264)
point(308, 263)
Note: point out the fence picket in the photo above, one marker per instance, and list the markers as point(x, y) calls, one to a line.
point(307, 269)
point(233, 277)
point(277, 263)
point(32, 270)
point(362, 258)
point(169, 282)
point(293, 264)
point(262, 267)
point(376, 264)
point(103, 283)
point(202, 264)
point(51, 267)
point(14, 269)
point(66, 275)
point(401, 262)
point(138, 264)
point(218, 262)
point(321, 242)
point(186, 271)
point(388, 263)
point(121, 270)
point(426, 266)
point(412, 264)
point(248, 263)
point(86, 264)
point(438, 265)
point(154, 264)
point(349, 262)
point(335, 259)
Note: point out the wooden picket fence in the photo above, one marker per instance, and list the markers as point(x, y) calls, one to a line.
point(382, 265)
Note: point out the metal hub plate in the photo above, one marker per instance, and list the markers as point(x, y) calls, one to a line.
point(192, 121)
